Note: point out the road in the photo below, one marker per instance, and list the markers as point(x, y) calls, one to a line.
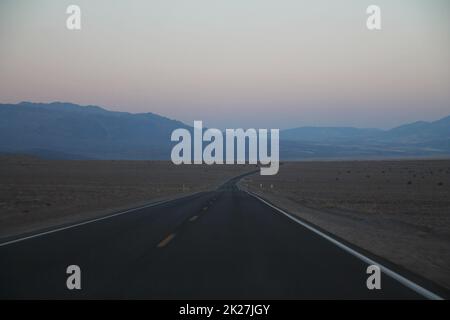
point(223, 244)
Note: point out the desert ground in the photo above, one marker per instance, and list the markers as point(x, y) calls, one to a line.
point(398, 210)
point(36, 194)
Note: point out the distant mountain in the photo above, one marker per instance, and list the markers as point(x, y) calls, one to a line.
point(420, 132)
point(328, 134)
point(417, 132)
point(418, 139)
point(65, 130)
point(69, 131)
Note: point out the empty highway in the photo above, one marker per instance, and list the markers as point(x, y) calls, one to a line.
point(223, 244)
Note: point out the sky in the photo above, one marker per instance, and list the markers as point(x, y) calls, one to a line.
point(233, 63)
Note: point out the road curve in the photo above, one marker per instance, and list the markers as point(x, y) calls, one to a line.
point(223, 244)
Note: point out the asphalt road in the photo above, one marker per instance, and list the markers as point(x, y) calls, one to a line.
point(223, 244)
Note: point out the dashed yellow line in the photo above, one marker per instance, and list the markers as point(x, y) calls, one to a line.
point(166, 240)
point(192, 219)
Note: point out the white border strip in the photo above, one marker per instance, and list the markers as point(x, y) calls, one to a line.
point(93, 220)
point(394, 275)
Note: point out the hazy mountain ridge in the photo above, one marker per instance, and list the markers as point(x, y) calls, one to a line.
point(69, 131)
point(84, 132)
point(420, 131)
point(328, 134)
point(418, 139)
point(416, 132)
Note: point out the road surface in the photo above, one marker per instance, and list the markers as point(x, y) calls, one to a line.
point(224, 244)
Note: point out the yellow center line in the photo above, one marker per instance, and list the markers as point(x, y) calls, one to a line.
point(164, 243)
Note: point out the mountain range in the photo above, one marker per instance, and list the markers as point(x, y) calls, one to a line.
point(69, 131)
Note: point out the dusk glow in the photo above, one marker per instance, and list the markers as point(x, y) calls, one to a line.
point(290, 62)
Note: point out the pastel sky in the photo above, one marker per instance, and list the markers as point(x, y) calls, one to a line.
point(233, 63)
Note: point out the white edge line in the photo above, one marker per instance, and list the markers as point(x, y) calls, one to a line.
point(39, 234)
point(394, 275)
